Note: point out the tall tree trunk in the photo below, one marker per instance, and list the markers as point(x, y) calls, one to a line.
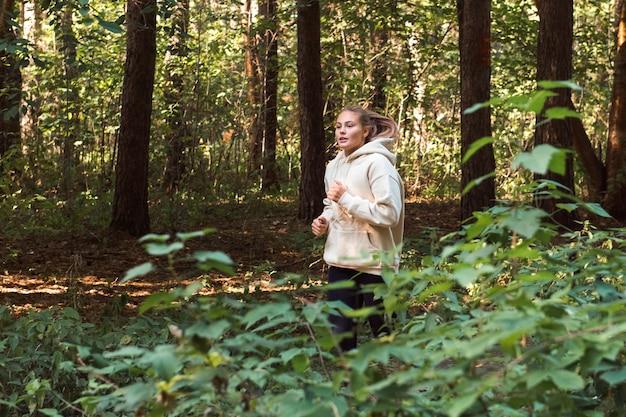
point(554, 62)
point(591, 163)
point(253, 89)
point(177, 137)
point(10, 91)
point(32, 19)
point(475, 52)
point(616, 147)
point(70, 105)
point(130, 201)
point(312, 145)
point(270, 170)
point(381, 9)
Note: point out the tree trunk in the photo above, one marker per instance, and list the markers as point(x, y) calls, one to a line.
point(616, 147)
point(70, 105)
point(270, 170)
point(475, 51)
point(10, 91)
point(554, 62)
point(33, 17)
point(590, 162)
point(253, 90)
point(312, 145)
point(177, 136)
point(130, 201)
point(380, 43)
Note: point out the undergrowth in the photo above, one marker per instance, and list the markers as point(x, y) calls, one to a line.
point(508, 316)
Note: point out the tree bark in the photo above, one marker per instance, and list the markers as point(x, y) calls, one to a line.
point(253, 90)
point(616, 147)
point(380, 10)
point(554, 62)
point(590, 162)
point(270, 170)
point(70, 104)
point(177, 138)
point(130, 201)
point(312, 145)
point(475, 52)
point(11, 89)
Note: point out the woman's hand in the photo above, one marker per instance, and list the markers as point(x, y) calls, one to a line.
point(319, 226)
point(336, 191)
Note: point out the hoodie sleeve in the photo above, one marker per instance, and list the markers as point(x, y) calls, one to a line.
point(385, 207)
point(328, 211)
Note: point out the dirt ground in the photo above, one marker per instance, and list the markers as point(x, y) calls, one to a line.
point(84, 271)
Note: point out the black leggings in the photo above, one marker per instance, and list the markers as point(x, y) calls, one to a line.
point(355, 297)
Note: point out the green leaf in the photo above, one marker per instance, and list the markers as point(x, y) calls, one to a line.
point(526, 222)
point(208, 331)
point(125, 352)
point(551, 85)
point(160, 299)
point(163, 361)
point(469, 275)
point(562, 379)
point(478, 106)
point(52, 412)
point(214, 257)
point(541, 159)
point(138, 271)
point(614, 377)
point(476, 146)
point(154, 237)
point(566, 380)
point(199, 233)
point(476, 182)
point(112, 27)
point(537, 101)
point(461, 403)
point(136, 395)
point(359, 312)
point(159, 249)
point(560, 113)
point(596, 209)
point(265, 312)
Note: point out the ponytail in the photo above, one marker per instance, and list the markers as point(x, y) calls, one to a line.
point(380, 126)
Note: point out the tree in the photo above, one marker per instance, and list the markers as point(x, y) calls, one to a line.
point(380, 43)
point(475, 53)
point(10, 85)
point(177, 133)
point(554, 62)
point(270, 169)
point(130, 200)
point(312, 146)
point(69, 106)
point(616, 147)
point(253, 88)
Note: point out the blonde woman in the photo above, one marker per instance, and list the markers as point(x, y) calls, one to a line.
point(363, 215)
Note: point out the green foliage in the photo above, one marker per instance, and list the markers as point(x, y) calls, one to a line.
point(499, 322)
point(41, 352)
point(503, 318)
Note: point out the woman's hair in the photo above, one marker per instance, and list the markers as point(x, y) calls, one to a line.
point(380, 126)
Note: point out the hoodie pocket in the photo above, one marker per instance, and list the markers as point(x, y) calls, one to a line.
point(349, 248)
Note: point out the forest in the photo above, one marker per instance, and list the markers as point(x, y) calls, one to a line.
point(161, 163)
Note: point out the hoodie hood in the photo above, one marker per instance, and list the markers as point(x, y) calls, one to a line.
point(382, 146)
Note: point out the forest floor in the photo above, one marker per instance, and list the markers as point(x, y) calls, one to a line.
point(83, 270)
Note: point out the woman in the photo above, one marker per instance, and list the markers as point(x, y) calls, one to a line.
point(363, 215)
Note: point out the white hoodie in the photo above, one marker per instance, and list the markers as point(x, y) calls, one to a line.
point(368, 220)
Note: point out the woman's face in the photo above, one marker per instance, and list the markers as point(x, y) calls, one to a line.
point(349, 132)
